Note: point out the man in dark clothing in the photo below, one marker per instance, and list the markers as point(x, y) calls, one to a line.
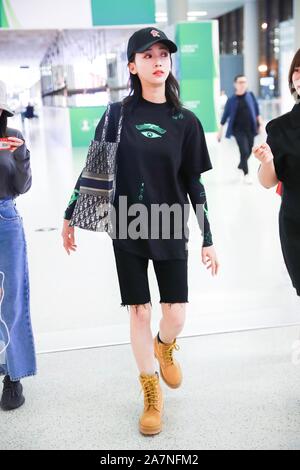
point(244, 122)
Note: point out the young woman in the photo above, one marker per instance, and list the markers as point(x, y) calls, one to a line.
point(280, 161)
point(161, 156)
point(17, 354)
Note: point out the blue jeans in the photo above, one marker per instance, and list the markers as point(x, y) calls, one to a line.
point(17, 352)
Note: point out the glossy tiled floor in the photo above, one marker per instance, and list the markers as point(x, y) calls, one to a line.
point(240, 391)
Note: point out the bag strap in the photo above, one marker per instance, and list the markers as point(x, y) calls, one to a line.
point(108, 116)
point(120, 123)
point(105, 124)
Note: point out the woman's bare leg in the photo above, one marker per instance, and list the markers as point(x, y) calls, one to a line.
point(142, 339)
point(172, 322)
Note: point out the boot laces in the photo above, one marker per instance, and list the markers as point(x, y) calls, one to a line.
point(168, 353)
point(150, 391)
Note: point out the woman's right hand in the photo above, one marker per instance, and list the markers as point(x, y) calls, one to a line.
point(220, 135)
point(263, 153)
point(68, 235)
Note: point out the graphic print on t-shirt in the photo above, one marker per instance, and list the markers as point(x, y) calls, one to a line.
point(178, 116)
point(151, 131)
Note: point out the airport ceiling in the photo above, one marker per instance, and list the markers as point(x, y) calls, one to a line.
point(27, 48)
point(24, 48)
point(214, 8)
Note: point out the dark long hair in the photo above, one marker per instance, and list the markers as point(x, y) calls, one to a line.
point(3, 124)
point(172, 90)
point(295, 63)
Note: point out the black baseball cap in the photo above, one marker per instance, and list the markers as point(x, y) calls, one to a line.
point(144, 38)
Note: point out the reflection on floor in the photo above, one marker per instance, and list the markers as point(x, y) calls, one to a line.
point(240, 391)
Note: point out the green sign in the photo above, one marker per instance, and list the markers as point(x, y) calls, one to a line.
point(196, 51)
point(8, 18)
point(120, 12)
point(198, 96)
point(83, 123)
point(198, 70)
point(3, 16)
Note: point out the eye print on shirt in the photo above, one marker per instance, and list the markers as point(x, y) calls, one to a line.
point(178, 116)
point(151, 131)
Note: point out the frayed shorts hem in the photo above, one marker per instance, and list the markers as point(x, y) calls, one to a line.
point(123, 304)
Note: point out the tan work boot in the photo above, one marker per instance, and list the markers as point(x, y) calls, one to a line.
point(169, 368)
point(151, 419)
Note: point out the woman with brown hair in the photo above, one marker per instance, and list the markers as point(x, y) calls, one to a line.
point(280, 162)
point(161, 157)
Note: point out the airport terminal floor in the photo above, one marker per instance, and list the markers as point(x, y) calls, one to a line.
point(241, 388)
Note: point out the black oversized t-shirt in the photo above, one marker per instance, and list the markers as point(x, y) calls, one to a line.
point(160, 159)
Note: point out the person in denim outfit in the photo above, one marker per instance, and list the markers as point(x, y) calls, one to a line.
point(17, 352)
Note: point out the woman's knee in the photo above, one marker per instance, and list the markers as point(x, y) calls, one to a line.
point(174, 313)
point(141, 313)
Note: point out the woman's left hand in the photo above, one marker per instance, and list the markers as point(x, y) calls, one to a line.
point(15, 143)
point(209, 256)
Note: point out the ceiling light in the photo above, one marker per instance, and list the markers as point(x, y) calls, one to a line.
point(197, 13)
point(263, 68)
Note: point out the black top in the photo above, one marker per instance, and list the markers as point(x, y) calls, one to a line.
point(15, 171)
point(160, 159)
point(284, 140)
point(243, 120)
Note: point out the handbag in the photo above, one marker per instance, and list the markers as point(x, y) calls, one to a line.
point(94, 206)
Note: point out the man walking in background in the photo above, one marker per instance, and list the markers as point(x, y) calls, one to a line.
point(244, 122)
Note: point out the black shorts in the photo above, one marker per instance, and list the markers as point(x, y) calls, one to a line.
point(132, 272)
